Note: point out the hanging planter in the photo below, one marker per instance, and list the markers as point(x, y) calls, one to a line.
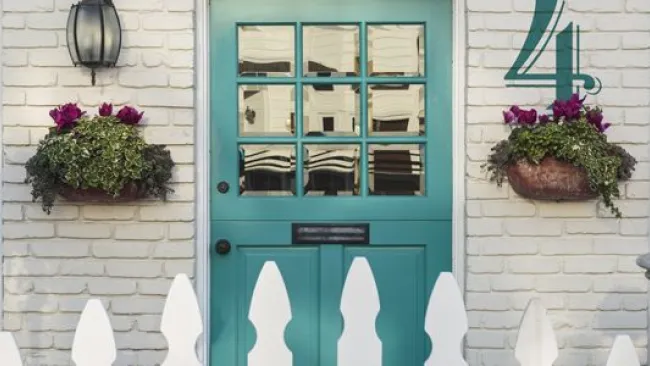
point(562, 157)
point(551, 179)
point(98, 159)
point(130, 192)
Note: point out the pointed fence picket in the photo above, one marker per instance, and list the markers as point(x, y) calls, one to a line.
point(94, 343)
point(270, 312)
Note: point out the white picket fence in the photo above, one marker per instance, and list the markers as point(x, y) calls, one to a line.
point(270, 312)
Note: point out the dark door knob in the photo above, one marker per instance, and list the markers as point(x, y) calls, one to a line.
point(223, 247)
point(223, 187)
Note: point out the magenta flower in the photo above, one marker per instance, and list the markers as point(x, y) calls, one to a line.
point(66, 115)
point(605, 126)
point(129, 115)
point(595, 118)
point(515, 109)
point(544, 119)
point(520, 116)
point(508, 117)
point(106, 110)
point(569, 109)
point(528, 117)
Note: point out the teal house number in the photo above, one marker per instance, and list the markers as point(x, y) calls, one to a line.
point(567, 77)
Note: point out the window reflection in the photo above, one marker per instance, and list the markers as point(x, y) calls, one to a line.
point(331, 50)
point(396, 170)
point(395, 109)
point(331, 170)
point(331, 110)
point(266, 50)
point(266, 110)
point(267, 170)
point(396, 50)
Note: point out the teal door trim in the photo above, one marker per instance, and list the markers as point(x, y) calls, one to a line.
point(202, 153)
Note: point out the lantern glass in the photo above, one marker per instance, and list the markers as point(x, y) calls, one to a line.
point(94, 33)
point(89, 34)
point(70, 36)
point(112, 35)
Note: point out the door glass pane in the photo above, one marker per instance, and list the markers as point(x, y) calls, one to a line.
point(396, 109)
point(331, 170)
point(267, 170)
point(396, 50)
point(396, 170)
point(331, 110)
point(266, 50)
point(331, 50)
point(266, 110)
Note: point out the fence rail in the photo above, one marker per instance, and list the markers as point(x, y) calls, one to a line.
point(270, 312)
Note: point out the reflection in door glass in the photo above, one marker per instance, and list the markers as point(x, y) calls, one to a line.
point(331, 50)
point(331, 170)
point(266, 110)
point(267, 170)
point(266, 50)
point(396, 50)
point(396, 170)
point(396, 109)
point(331, 110)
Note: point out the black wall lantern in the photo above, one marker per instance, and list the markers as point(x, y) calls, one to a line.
point(94, 34)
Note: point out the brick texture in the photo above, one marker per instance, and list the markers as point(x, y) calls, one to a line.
point(125, 255)
point(574, 256)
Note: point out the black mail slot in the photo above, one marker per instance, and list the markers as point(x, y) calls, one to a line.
point(349, 234)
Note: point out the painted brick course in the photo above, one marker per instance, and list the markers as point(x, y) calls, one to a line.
point(574, 256)
point(126, 255)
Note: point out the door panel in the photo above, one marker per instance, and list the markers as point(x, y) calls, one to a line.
point(406, 258)
point(335, 113)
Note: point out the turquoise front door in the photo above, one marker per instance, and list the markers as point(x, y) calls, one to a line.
point(331, 140)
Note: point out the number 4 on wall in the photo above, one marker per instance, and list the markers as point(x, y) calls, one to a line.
point(539, 35)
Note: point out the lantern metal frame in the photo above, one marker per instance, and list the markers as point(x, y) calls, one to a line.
point(72, 35)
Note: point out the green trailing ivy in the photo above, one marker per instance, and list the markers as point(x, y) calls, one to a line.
point(103, 152)
point(574, 134)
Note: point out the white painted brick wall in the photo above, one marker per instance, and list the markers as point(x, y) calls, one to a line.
point(127, 254)
point(574, 256)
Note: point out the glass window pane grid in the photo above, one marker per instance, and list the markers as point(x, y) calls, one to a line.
point(298, 80)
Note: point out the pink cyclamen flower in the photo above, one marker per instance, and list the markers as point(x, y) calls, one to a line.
point(129, 115)
point(106, 110)
point(595, 118)
point(527, 117)
point(569, 109)
point(508, 117)
point(66, 115)
point(544, 119)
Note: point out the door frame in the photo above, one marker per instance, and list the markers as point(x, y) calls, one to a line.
point(202, 157)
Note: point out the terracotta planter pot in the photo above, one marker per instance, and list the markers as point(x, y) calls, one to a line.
point(550, 180)
point(130, 192)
